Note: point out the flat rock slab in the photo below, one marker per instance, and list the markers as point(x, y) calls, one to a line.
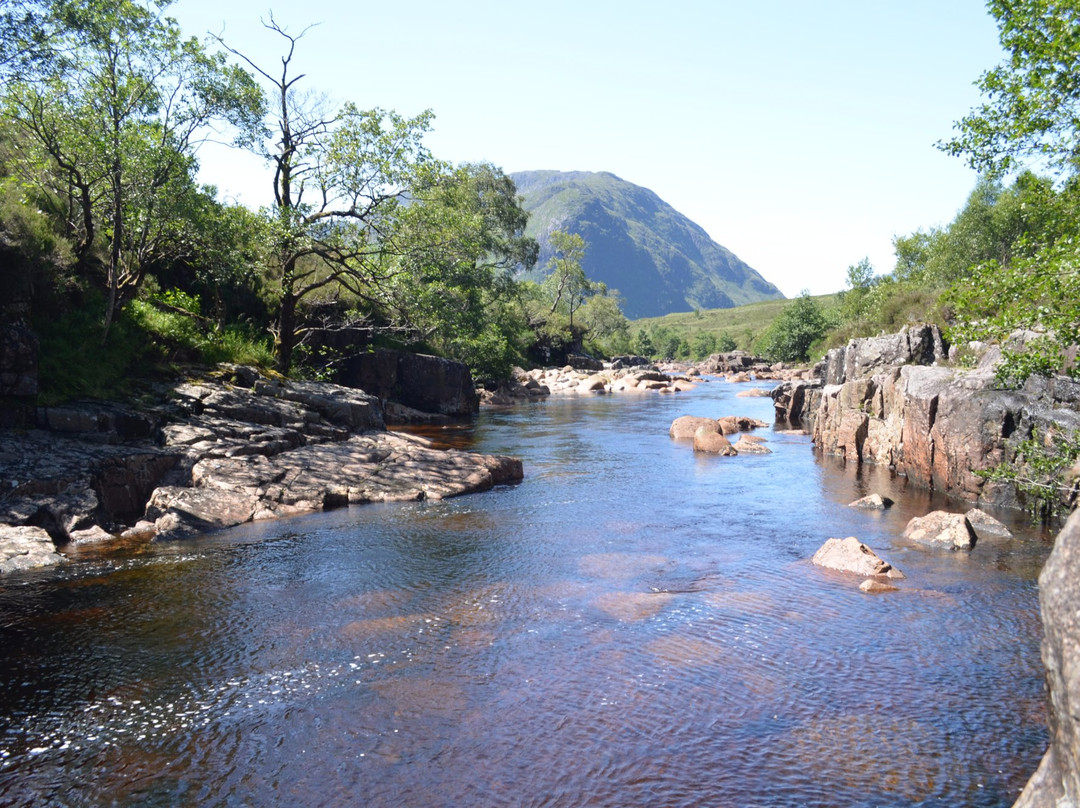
point(851, 555)
point(375, 467)
point(942, 529)
point(24, 548)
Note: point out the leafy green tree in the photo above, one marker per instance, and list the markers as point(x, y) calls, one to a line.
point(108, 119)
point(461, 236)
point(798, 326)
point(603, 320)
point(339, 181)
point(643, 344)
point(1032, 109)
point(704, 345)
point(725, 342)
point(566, 286)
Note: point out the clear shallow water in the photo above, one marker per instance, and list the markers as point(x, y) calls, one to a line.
point(632, 625)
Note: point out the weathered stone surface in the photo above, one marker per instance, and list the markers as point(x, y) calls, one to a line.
point(912, 345)
point(229, 455)
point(873, 502)
point(746, 444)
point(851, 555)
point(1056, 783)
point(710, 441)
point(684, 427)
point(942, 529)
point(24, 548)
point(754, 392)
point(731, 424)
point(937, 426)
point(873, 586)
point(426, 383)
point(18, 361)
point(986, 526)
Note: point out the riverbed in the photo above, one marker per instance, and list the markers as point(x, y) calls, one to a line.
point(633, 624)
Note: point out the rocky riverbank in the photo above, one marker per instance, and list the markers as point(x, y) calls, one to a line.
point(212, 451)
point(896, 400)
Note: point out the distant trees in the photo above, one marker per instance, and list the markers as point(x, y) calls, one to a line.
point(789, 337)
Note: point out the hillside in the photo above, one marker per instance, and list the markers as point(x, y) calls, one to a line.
point(659, 260)
point(744, 324)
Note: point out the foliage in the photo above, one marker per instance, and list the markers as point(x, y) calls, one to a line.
point(1039, 472)
point(1032, 109)
point(1039, 295)
point(566, 286)
point(107, 119)
point(789, 337)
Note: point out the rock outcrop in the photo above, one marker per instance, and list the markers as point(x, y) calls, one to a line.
point(1056, 783)
point(938, 426)
point(429, 384)
point(213, 452)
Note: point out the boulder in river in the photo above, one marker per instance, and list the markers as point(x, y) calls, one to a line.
point(986, 526)
point(684, 427)
point(942, 529)
point(26, 547)
point(851, 555)
point(873, 502)
point(710, 441)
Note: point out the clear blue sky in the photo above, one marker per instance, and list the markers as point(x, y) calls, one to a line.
point(799, 135)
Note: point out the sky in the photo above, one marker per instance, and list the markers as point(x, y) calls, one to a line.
point(799, 135)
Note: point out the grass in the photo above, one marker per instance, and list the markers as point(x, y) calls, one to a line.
point(743, 324)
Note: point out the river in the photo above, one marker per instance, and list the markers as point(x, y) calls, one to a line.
point(632, 625)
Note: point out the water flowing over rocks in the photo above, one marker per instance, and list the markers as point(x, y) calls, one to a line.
point(212, 452)
point(568, 380)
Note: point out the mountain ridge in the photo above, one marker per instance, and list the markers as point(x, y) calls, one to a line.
point(659, 260)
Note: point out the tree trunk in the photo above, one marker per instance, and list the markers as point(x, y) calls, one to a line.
point(285, 340)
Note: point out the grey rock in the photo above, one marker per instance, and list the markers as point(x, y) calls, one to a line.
point(873, 502)
point(26, 547)
point(942, 529)
point(851, 555)
point(1056, 783)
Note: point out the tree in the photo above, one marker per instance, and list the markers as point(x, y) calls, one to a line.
point(339, 180)
point(566, 286)
point(1032, 109)
point(108, 117)
point(798, 326)
point(461, 236)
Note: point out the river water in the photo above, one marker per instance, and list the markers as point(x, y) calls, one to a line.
point(633, 625)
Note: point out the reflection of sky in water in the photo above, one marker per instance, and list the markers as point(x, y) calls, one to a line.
point(633, 624)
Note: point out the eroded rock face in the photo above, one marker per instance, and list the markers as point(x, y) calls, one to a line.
point(426, 383)
point(1056, 784)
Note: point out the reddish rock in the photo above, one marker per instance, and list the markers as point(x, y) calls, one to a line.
point(684, 427)
point(746, 444)
point(874, 586)
point(712, 442)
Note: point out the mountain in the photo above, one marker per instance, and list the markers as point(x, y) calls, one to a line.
point(660, 261)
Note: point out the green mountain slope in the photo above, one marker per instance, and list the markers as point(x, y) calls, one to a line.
point(660, 261)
